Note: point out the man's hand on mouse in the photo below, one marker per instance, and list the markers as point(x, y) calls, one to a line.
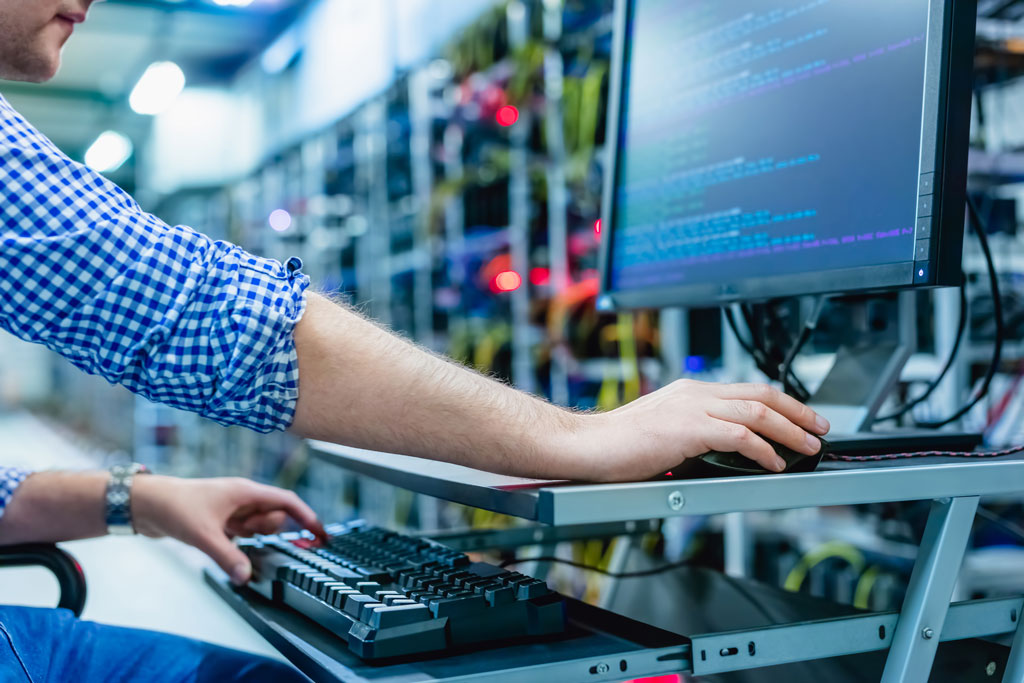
point(687, 418)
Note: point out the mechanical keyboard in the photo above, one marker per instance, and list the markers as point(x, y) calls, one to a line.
point(391, 595)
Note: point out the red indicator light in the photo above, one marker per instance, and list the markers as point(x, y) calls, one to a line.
point(597, 228)
point(507, 115)
point(508, 281)
point(540, 276)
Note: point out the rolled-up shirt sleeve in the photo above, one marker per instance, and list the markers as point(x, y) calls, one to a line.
point(169, 313)
point(10, 480)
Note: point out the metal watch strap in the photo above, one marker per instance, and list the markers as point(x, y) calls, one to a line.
point(119, 498)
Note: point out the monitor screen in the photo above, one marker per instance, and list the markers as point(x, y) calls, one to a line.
point(780, 148)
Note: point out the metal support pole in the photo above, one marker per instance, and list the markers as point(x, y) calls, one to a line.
point(617, 565)
point(519, 219)
point(558, 192)
point(737, 366)
point(420, 84)
point(931, 586)
point(1015, 664)
point(739, 545)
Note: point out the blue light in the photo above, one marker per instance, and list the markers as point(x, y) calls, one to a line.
point(695, 364)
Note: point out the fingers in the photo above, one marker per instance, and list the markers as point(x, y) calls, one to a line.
point(729, 437)
point(256, 523)
point(226, 554)
point(787, 406)
point(269, 498)
point(769, 424)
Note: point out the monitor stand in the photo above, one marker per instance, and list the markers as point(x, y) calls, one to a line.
point(866, 370)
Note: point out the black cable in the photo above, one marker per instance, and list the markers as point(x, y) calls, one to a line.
point(785, 369)
point(1007, 525)
point(591, 568)
point(761, 359)
point(961, 328)
point(781, 340)
point(981, 230)
point(756, 328)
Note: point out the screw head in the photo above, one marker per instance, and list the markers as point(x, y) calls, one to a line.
point(927, 633)
point(676, 500)
point(990, 669)
point(603, 668)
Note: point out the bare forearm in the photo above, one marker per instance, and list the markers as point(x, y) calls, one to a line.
point(361, 386)
point(55, 506)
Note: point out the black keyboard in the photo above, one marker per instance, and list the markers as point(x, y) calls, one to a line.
point(391, 595)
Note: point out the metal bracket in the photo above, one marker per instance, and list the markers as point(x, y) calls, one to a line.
point(749, 649)
point(923, 615)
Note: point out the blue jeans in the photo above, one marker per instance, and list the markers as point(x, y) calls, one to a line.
point(52, 645)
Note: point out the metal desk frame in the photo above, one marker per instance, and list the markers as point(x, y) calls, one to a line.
point(911, 635)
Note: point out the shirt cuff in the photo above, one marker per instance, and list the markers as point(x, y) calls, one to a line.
point(10, 480)
point(259, 389)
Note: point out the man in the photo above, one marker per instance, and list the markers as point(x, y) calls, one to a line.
point(204, 326)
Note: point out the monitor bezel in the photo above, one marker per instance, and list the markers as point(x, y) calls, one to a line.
point(945, 137)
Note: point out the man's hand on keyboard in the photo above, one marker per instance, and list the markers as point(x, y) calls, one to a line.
point(206, 513)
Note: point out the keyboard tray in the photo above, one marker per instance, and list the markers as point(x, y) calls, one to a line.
point(598, 646)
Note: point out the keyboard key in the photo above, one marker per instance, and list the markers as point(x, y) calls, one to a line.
point(388, 617)
point(344, 574)
point(372, 573)
point(403, 601)
point(325, 589)
point(366, 610)
point(336, 596)
point(501, 595)
point(354, 602)
point(458, 606)
point(533, 589)
point(317, 583)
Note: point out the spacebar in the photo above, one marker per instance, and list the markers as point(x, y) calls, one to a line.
point(319, 611)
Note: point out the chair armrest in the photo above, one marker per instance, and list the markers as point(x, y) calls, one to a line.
point(69, 574)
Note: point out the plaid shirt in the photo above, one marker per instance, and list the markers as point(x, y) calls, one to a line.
point(165, 311)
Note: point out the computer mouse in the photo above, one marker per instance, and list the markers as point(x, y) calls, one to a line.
point(717, 464)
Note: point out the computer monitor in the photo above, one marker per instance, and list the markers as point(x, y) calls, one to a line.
point(771, 149)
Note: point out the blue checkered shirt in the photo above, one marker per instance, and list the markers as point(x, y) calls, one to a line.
point(167, 312)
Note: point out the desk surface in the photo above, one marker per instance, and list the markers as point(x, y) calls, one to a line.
point(560, 503)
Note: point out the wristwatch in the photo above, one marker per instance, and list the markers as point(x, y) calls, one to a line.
point(119, 498)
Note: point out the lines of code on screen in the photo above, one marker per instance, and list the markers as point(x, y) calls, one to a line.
point(767, 138)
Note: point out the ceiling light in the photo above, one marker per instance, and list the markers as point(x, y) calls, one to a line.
point(280, 220)
point(108, 152)
point(233, 3)
point(157, 89)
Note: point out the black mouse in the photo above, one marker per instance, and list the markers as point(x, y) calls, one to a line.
point(716, 464)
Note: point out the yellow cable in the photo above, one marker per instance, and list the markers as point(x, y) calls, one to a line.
point(823, 552)
point(488, 348)
point(628, 358)
point(865, 585)
point(590, 105)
